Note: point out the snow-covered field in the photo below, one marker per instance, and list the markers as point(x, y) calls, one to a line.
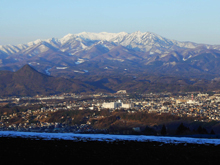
point(107, 137)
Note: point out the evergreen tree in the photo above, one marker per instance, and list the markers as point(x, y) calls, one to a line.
point(212, 132)
point(163, 130)
point(149, 131)
point(182, 129)
point(204, 131)
point(201, 130)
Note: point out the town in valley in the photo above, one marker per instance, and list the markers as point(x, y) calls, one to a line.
point(121, 112)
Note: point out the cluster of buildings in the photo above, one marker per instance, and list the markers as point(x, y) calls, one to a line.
point(118, 104)
point(36, 121)
point(189, 105)
point(201, 106)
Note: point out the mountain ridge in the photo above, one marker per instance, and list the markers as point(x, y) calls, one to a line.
point(96, 52)
point(29, 82)
point(102, 36)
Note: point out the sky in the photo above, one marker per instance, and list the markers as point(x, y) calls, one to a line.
point(22, 21)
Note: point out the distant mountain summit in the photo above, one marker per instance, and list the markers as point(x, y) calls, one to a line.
point(89, 53)
point(27, 70)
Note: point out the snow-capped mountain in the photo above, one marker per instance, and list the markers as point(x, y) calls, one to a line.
point(141, 49)
point(138, 41)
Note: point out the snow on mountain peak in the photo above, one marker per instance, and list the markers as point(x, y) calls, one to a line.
point(141, 41)
point(34, 42)
point(138, 33)
point(68, 35)
point(66, 38)
point(99, 36)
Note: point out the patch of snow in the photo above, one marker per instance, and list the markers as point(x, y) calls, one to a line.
point(62, 50)
point(34, 42)
point(77, 71)
point(108, 137)
point(79, 61)
point(158, 51)
point(61, 67)
point(31, 63)
point(43, 48)
point(9, 49)
point(83, 46)
point(22, 46)
point(107, 47)
point(101, 36)
point(184, 59)
point(47, 71)
point(66, 38)
point(173, 63)
point(117, 59)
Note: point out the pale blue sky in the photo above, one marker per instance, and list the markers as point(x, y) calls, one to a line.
point(22, 21)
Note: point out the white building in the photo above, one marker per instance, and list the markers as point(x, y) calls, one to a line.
point(192, 102)
point(119, 104)
point(127, 106)
point(112, 105)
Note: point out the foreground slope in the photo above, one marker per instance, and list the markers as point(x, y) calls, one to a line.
point(32, 151)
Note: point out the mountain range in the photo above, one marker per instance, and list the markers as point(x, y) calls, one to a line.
point(77, 55)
